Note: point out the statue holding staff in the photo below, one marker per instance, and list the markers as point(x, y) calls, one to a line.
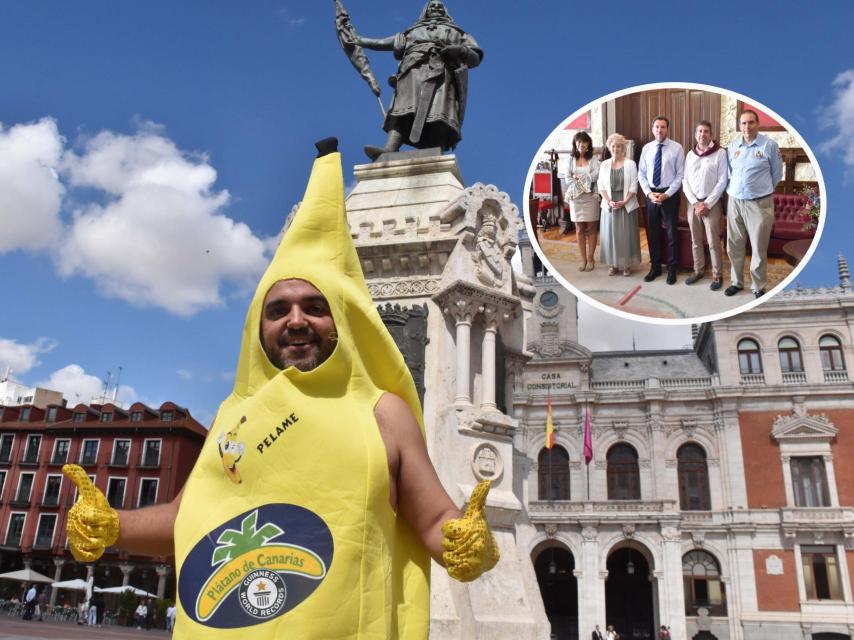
point(431, 84)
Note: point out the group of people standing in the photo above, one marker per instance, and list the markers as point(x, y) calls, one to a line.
point(611, 634)
point(604, 194)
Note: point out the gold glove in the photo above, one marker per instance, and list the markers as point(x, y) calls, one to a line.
point(93, 525)
point(470, 548)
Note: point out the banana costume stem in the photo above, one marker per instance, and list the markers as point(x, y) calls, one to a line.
point(93, 525)
point(470, 547)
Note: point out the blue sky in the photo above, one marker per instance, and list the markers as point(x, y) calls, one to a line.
point(150, 151)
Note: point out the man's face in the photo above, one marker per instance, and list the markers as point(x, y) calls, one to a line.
point(749, 125)
point(297, 329)
point(435, 10)
point(659, 130)
point(703, 135)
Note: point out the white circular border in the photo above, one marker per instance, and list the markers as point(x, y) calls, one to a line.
point(532, 235)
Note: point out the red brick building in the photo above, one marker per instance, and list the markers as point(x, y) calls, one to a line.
point(137, 456)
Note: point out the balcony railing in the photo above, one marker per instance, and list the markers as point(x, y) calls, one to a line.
point(150, 462)
point(119, 461)
point(50, 501)
point(836, 376)
point(43, 542)
point(794, 377)
point(59, 458)
point(652, 383)
point(89, 460)
point(549, 509)
point(752, 379)
point(13, 539)
point(30, 458)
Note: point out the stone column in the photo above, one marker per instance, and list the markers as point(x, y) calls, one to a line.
point(125, 568)
point(487, 360)
point(462, 311)
point(591, 586)
point(163, 571)
point(57, 576)
point(671, 591)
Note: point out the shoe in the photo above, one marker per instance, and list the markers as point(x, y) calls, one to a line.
point(694, 277)
point(583, 266)
point(717, 283)
point(612, 271)
point(759, 293)
point(732, 290)
point(591, 265)
point(627, 272)
point(652, 275)
point(671, 276)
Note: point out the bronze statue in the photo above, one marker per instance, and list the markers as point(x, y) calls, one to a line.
point(431, 84)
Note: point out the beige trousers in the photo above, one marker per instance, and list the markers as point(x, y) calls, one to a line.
point(709, 226)
point(752, 219)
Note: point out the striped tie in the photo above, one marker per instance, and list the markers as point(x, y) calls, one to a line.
point(656, 166)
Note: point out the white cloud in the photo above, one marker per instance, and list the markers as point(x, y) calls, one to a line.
point(185, 374)
point(840, 118)
point(30, 189)
point(161, 239)
point(23, 357)
point(602, 331)
point(78, 386)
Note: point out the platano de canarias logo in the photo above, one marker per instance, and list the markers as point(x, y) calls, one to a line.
point(260, 565)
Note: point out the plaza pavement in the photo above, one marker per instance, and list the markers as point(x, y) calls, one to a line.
point(12, 628)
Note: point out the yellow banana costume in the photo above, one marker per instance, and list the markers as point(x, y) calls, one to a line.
point(296, 539)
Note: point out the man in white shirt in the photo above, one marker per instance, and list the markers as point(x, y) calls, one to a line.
point(662, 163)
point(704, 183)
point(30, 602)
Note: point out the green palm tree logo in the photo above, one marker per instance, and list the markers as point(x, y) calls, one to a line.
point(233, 542)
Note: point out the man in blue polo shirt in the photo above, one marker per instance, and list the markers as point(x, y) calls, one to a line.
point(755, 169)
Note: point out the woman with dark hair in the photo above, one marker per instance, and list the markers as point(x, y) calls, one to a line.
point(582, 196)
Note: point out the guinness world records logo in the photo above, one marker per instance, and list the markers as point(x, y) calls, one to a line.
point(262, 593)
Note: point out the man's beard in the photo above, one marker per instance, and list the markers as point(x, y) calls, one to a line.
point(319, 356)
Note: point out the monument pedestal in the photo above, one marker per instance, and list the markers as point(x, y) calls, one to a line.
point(429, 243)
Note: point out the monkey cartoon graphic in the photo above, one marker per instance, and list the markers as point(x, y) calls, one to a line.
point(231, 451)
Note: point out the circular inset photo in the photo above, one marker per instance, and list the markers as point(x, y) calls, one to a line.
point(674, 203)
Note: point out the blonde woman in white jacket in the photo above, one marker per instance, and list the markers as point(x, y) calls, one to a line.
point(619, 229)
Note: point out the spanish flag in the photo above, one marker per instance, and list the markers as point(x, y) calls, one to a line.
point(550, 428)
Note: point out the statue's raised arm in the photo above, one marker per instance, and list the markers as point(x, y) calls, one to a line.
point(431, 83)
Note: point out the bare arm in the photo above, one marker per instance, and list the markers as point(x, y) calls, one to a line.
point(422, 500)
point(149, 531)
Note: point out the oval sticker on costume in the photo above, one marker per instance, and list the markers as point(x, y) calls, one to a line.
point(255, 567)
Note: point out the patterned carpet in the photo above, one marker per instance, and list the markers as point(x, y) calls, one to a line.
point(654, 299)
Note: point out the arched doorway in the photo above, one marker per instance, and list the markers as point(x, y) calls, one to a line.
point(629, 603)
point(554, 567)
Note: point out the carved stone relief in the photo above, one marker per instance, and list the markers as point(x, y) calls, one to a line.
point(487, 463)
point(408, 328)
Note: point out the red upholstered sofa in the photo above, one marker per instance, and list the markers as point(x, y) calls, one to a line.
point(788, 222)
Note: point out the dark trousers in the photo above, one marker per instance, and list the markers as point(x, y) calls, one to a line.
point(655, 213)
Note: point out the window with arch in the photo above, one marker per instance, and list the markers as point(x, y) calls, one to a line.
point(703, 587)
point(831, 354)
point(749, 359)
point(553, 474)
point(623, 473)
point(693, 478)
point(790, 355)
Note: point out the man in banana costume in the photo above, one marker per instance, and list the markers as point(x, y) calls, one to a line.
point(313, 508)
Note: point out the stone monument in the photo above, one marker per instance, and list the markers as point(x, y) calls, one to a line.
point(436, 255)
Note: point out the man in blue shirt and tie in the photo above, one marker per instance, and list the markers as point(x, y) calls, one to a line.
point(755, 169)
point(660, 175)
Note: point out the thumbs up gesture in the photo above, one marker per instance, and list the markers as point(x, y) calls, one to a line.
point(470, 548)
point(93, 525)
